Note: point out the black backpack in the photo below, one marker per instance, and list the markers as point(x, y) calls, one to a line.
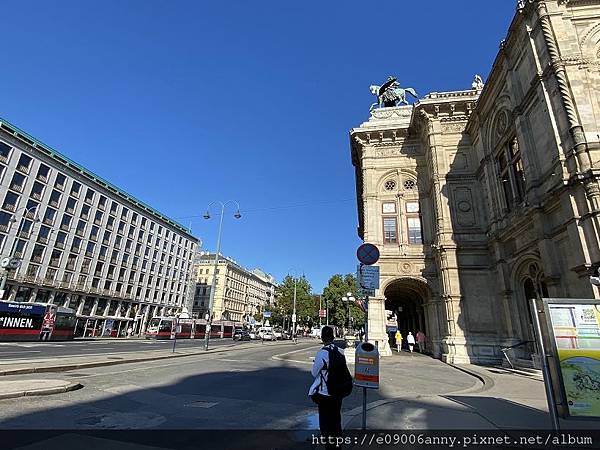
point(339, 380)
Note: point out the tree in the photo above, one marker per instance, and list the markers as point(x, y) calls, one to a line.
point(305, 306)
point(338, 287)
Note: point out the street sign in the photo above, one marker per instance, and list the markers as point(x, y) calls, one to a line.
point(293, 317)
point(368, 277)
point(267, 314)
point(367, 254)
point(322, 313)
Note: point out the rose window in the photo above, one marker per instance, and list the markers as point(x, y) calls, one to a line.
point(409, 185)
point(390, 185)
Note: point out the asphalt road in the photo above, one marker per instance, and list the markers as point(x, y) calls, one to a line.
point(29, 350)
point(258, 387)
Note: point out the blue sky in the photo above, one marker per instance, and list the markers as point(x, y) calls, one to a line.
point(185, 102)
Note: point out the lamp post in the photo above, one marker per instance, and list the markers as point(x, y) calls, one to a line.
point(213, 288)
point(348, 298)
point(15, 240)
point(294, 307)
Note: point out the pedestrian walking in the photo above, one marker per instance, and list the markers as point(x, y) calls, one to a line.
point(398, 337)
point(421, 341)
point(411, 341)
point(332, 382)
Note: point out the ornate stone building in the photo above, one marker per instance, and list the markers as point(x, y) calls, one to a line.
point(480, 199)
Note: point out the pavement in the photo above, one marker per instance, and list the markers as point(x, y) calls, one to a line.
point(22, 388)
point(263, 387)
point(499, 399)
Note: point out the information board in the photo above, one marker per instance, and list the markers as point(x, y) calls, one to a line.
point(574, 325)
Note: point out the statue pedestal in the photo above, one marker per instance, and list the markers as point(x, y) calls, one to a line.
point(377, 321)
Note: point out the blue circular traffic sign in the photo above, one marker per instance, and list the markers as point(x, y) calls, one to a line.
point(367, 254)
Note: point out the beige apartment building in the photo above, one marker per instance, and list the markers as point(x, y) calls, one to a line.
point(483, 198)
point(240, 293)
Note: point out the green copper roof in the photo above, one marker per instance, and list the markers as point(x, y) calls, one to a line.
point(57, 156)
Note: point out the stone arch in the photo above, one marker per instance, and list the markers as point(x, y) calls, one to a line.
point(527, 281)
point(408, 300)
point(590, 42)
point(501, 124)
point(388, 176)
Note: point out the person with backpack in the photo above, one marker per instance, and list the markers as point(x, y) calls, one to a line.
point(332, 382)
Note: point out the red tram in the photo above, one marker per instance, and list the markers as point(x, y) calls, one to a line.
point(171, 327)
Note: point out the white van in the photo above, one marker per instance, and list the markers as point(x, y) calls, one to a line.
point(264, 330)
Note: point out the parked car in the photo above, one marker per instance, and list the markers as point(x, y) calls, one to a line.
point(241, 335)
point(253, 335)
point(278, 333)
point(286, 335)
point(267, 335)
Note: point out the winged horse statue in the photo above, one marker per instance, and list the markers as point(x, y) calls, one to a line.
point(390, 94)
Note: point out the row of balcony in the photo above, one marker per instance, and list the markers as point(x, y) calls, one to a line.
point(76, 287)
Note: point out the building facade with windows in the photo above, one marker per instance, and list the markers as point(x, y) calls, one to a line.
point(484, 198)
point(86, 244)
point(240, 293)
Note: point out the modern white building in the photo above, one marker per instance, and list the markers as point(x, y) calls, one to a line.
point(84, 243)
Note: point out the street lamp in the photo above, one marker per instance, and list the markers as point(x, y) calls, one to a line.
point(348, 298)
point(213, 288)
point(294, 307)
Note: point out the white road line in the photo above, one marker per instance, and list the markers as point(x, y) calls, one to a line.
point(21, 351)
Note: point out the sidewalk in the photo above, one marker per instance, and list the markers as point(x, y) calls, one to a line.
point(22, 388)
point(499, 399)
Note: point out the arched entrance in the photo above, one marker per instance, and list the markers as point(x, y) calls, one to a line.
point(405, 299)
point(531, 284)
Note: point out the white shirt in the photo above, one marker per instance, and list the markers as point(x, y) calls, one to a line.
point(411, 339)
point(318, 371)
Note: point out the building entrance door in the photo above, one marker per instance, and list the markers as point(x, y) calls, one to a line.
point(404, 300)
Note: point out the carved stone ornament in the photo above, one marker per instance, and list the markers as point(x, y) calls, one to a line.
point(464, 206)
point(501, 123)
point(406, 267)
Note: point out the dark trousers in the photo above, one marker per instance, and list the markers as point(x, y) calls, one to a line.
point(330, 417)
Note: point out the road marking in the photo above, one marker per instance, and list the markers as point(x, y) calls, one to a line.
point(205, 405)
point(22, 351)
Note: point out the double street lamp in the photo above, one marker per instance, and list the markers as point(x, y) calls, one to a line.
point(213, 288)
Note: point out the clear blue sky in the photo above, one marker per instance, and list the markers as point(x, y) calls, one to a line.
point(180, 103)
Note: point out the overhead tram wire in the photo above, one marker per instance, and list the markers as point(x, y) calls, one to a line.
point(277, 208)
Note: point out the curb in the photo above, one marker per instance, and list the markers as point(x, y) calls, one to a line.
point(67, 367)
point(48, 391)
point(488, 382)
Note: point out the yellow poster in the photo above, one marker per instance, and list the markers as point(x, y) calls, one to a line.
point(577, 336)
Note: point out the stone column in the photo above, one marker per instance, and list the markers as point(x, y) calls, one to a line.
point(95, 307)
point(33, 295)
point(13, 293)
point(377, 322)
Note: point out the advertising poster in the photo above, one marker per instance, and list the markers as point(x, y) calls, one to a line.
point(576, 329)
